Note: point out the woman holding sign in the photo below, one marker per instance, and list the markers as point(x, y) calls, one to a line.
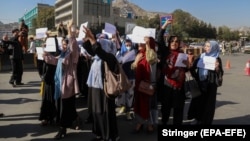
point(173, 77)
point(66, 83)
point(207, 70)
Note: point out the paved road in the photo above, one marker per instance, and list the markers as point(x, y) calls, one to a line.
point(21, 106)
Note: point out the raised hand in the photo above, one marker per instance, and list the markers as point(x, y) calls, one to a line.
point(164, 26)
point(89, 35)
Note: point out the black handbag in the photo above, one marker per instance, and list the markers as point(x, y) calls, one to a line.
point(192, 86)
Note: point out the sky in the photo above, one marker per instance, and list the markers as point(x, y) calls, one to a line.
point(231, 13)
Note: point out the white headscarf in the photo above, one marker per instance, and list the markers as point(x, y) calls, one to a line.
point(95, 73)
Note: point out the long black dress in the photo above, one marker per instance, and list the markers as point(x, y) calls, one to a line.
point(83, 67)
point(101, 107)
point(48, 107)
point(202, 108)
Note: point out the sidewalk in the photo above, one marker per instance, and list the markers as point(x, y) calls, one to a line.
point(21, 107)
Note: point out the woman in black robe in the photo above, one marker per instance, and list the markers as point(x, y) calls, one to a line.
point(101, 107)
point(48, 110)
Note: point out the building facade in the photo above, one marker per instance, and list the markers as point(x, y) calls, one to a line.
point(33, 13)
point(95, 12)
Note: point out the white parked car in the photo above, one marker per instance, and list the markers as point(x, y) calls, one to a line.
point(246, 48)
point(196, 45)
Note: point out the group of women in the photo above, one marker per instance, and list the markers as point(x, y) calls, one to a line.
point(154, 63)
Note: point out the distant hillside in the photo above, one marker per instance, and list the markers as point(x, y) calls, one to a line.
point(244, 29)
point(138, 11)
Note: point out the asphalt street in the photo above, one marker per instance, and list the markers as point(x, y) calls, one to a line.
point(21, 107)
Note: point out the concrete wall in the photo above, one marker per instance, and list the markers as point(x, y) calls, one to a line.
point(28, 63)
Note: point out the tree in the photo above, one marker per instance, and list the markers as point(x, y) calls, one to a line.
point(144, 21)
point(46, 18)
point(32, 30)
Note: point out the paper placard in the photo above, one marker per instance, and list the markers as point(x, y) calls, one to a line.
point(50, 45)
point(81, 33)
point(139, 33)
point(109, 28)
point(41, 33)
point(181, 57)
point(40, 51)
point(109, 34)
point(207, 63)
point(129, 28)
point(129, 56)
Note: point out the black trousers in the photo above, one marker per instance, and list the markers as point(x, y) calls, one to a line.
point(172, 99)
point(17, 71)
point(202, 108)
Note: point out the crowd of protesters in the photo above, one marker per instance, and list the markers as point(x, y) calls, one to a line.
point(76, 68)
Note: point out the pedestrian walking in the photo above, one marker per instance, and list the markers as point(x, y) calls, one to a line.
point(16, 57)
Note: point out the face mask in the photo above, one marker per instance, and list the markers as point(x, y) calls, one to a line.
point(73, 29)
point(128, 47)
point(156, 48)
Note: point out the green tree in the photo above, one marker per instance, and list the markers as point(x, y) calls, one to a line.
point(46, 18)
point(32, 30)
point(143, 21)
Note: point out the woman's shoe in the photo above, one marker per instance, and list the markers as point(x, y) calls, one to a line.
point(44, 122)
point(60, 134)
point(89, 119)
point(150, 129)
point(97, 138)
point(78, 123)
point(138, 129)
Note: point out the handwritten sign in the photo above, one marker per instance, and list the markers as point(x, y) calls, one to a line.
point(81, 33)
point(207, 63)
point(109, 28)
point(181, 57)
point(41, 33)
point(129, 27)
point(50, 45)
point(139, 33)
point(39, 51)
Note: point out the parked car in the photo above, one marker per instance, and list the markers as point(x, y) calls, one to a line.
point(246, 48)
point(196, 45)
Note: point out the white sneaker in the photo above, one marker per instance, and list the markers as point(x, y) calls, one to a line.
point(128, 116)
point(122, 109)
point(195, 122)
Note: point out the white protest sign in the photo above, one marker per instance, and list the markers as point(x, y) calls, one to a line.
point(129, 27)
point(41, 33)
point(109, 34)
point(39, 51)
point(181, 57)
point(81, 33)
point(109, 28)
point(139, 33)
point(50, 45)
point(59, 40)
point(207, 63)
